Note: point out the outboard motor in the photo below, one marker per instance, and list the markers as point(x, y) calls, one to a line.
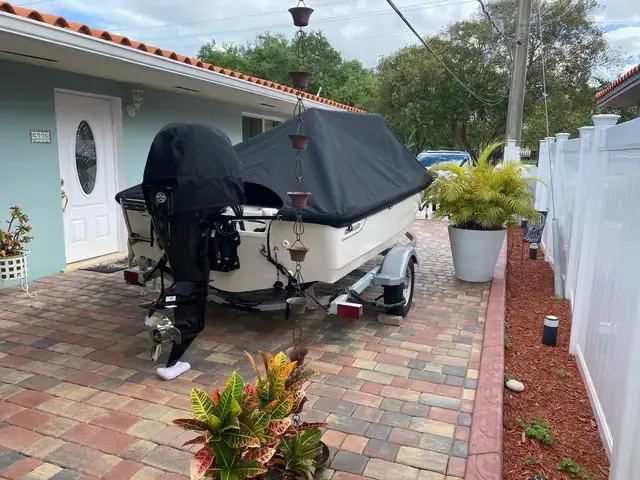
point(192, 175)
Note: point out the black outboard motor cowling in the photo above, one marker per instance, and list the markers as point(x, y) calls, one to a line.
point(191, 176)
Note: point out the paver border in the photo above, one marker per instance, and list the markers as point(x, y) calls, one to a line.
point(484, 461)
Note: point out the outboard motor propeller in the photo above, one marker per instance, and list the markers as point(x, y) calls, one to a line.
point(192, 175)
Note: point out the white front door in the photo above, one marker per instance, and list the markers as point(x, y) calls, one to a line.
point(87, 155)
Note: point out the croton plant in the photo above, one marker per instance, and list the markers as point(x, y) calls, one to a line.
point(248, 430)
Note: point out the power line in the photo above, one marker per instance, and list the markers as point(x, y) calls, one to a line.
point(464, 85)
point(238, 17)
point(493, 23)
point(420, 6)
point(33, 3)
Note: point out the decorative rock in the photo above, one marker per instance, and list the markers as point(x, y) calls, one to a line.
point(515, 385)
point(389, 319)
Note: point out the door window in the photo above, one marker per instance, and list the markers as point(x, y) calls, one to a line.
point(86, 158)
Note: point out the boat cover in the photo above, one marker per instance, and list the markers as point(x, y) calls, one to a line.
point(354, 166)
point(198, 162)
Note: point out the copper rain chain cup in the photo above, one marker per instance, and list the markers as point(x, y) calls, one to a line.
point(299, 142)
point(300, 80)
point(299, 199)
point(297, 305)
point(298, 252)
point(301, 15)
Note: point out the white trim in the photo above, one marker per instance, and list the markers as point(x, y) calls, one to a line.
point(33, 29)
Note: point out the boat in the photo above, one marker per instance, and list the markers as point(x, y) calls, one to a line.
point(364, 194)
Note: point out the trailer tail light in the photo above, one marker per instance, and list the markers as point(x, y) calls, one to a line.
point(350, 310)
point(132, 277)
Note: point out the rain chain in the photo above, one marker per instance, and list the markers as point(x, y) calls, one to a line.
point(299, 141)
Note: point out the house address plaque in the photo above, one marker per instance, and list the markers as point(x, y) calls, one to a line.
point(40, 136)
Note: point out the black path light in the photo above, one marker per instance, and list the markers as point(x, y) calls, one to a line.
point(297, 304)
point(550, 331)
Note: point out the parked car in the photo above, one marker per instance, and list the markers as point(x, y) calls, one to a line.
point(431, 157)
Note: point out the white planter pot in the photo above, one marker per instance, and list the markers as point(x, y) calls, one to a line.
point(13, 268)
point(475, 253)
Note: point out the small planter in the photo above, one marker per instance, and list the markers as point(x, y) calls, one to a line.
point(13, 268)
point(299, 199)
point(299, 142)
point(298, 252)
point(300, 80)
point(297, 305)
point(475, 253)
point(301, 15)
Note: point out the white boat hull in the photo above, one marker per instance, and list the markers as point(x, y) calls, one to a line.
point(333, 252)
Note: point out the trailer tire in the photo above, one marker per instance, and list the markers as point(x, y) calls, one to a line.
point(398, 293)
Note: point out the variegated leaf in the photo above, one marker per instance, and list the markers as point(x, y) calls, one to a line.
point(196, 441)
point(215, 396)
point(200, 463)
point(249, 469)
point(253, 365)
point(225, 404)
point(261, 455)
point(232, 424)
point(241, 438)
point(264, 393)
point(281, 407)
point(202, 405)
point(279, 426)
point(248, 396)
point(269, 439)
point(235, 385)
point(278, 362)
point(286, 371)
point(261, 419)
point(305, 426)
point(191, 424)
point(266, 359)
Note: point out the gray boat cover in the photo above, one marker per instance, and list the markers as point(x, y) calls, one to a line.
point(355, 166)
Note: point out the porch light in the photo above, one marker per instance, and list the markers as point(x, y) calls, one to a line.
point(133, 108)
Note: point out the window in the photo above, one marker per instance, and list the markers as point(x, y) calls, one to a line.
point(86, 158)
point(252, 126)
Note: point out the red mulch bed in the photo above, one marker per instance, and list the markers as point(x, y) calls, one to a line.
point(554, 390)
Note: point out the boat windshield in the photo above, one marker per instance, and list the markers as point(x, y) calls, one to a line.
point(428, 159)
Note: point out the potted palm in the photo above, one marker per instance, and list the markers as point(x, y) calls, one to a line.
point(12, 245)
point(481, 200)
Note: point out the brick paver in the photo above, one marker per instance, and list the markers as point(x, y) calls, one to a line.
point(79, 398)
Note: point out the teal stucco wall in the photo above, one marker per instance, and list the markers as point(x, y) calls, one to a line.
point(29, 173)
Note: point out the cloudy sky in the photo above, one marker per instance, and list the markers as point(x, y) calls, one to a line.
point(363, 29)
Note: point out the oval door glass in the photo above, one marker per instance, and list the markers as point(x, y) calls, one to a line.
point(86, 158)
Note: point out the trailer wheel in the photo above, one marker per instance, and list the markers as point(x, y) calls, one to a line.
point(402, 292)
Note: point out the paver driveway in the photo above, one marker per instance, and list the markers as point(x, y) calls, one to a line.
point(80, 398)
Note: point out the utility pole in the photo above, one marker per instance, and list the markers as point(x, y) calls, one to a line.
point(519, 72)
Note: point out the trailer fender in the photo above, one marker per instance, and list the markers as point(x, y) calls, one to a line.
point(394, 265)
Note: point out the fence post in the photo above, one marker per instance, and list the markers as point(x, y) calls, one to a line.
point(511, 151)
point(594, 188)
point(586, 142)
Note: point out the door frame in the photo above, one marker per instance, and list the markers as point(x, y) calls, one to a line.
point(118, 150)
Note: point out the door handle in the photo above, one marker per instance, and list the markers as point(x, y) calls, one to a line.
point(65, 198)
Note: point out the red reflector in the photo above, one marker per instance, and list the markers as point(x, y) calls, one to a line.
point(349, 310)
point(131, 277)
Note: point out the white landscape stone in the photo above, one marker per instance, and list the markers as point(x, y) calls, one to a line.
point(515, 385)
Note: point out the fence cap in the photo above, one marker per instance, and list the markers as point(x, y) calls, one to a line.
point(563, 136)
point(608, 119)
point(586, 130)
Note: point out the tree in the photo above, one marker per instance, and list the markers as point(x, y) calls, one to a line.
point(272, 57)
point(430, 109)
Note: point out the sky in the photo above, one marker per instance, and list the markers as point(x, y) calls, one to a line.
point(362, 29)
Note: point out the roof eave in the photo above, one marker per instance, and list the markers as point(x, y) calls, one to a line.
point(73, 40)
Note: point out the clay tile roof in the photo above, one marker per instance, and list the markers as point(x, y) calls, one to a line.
point(63, 23)
point(619, 81)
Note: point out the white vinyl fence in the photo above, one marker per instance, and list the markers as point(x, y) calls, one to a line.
point(596, 186)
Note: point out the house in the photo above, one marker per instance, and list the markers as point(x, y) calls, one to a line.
point(81, 106)
point(623, 92)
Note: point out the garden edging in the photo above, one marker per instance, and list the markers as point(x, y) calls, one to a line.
point(484, 461)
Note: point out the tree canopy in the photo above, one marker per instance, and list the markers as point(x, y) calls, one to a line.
point(272, 57)
point(431, 110)
point(426, 106)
